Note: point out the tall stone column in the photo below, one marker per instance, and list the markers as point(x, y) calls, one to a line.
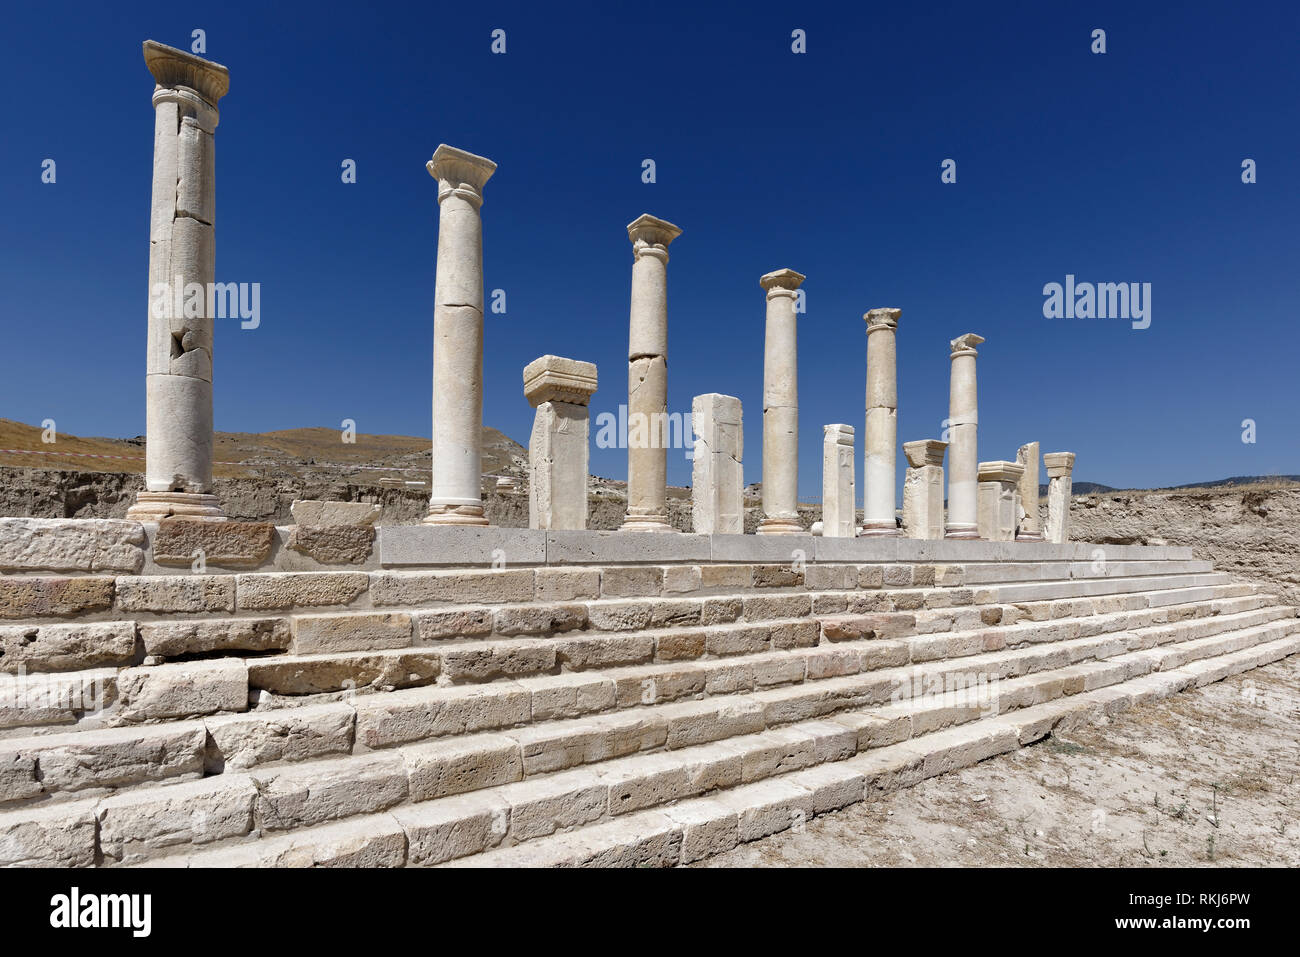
point(999, 500)
point(839, 491)
point(558, 450)
point(923, 489)
point(1060, 467)
point(963, 453)
point(781, 406)
point(456, 484)
point(881, 441)
point(647, 377)
point(178, 380)
point(717, 478)
point(1031, 526)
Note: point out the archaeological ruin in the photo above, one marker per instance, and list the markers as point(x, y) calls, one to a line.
point(179, 689)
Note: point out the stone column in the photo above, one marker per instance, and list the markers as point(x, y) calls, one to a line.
point(839, 490)
point(560, 390)
point(999, 500)
point(1060, 466)
point(881, 465)
point(178, 380)
point(963, 454)
point(1031, 526)
point(717, 479)
point(456, 483)
point(923, 489)
point(647, 377)
point(780, 406)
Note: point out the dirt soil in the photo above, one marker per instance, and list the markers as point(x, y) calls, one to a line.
point(1207, 778)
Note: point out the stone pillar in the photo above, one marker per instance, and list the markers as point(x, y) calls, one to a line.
point(839, 490)
point(456, 482)
point(717, 479)
point(1031, 526)
point(560, 390)
point(780, 406)
point(999, 500)
point(923, 489)
point(963, 453)
point(1060, 466)
point(647, 377)
point(178, 379)
point(881, 441)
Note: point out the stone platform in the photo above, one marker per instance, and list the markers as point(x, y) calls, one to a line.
point(481, 696)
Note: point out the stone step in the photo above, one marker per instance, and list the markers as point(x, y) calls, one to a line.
point(644, 810)
point(316, 792)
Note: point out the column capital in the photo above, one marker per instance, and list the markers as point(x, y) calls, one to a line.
point(841, 434)
point(924, 452)
point(964, 345)
point(460, 172)
point(172, 68)
point(651, 235)
point(1059, 464)
point(556, 379)
point(883, 318)
point(782, 282)
point(1000, 471)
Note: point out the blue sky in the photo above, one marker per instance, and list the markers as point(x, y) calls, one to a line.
point(1122, 167)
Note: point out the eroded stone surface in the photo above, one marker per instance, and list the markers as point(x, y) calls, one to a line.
point(310, 512)
point(181, 541)
point(82, 545)
point(333, 544)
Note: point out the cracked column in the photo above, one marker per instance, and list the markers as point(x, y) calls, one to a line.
point(456, 485)
point(963, 454)
point(839, 493)
point(1060, 467)
point(880, 468)
point(647, 377)
point(999, 499)
point(558, 450)
point(717, 479)
point(178, 380)
point(923, 489)
point(1030, 528)
point(780, 406)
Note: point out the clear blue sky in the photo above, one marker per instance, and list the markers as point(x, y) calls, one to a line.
point(1122, 167)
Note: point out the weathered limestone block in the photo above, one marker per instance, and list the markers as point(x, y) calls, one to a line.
point(880, 439)
point(717, 470)
point(180, 541)
point(71, 545)
point(117, 756)
point(453, 827)
point(298, 589)
point(310, 512)
point(292, 734)
point(347, 672)
point(369, 631)
point(38, 699)
point(1060, 468)
point(132, 826)
point(647, 376)
point(454, 767)
point(321, 791)
point(58, 835)
point(333, 544)
point(781, 405)
point(1029, 527)
point(66, 647)
point(558, 450)
point(411, 588)
point(963, 452)
point(183, 689)
point(456, 497)
point(166, 593)
point(923, 489)
point(42, 597)
point(999, 500)
point(839, 491)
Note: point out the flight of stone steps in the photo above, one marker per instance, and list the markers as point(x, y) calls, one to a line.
point(607, 714)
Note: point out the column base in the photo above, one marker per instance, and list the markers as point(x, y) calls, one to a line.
point(780, 526)
point(155, 506)
point(1030, 537)
point(878, 530)
point(455, 515)
point(968, 532)
point(646, 523)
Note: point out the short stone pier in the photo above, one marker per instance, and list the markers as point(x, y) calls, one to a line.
point(1060, 468)
point(1030, 528)
point(923, 489)
point(999, 500)
point(717, 479)
point(558, 450)
point(839, 494)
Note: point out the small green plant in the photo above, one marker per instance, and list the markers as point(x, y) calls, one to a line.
point(1209, 847)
